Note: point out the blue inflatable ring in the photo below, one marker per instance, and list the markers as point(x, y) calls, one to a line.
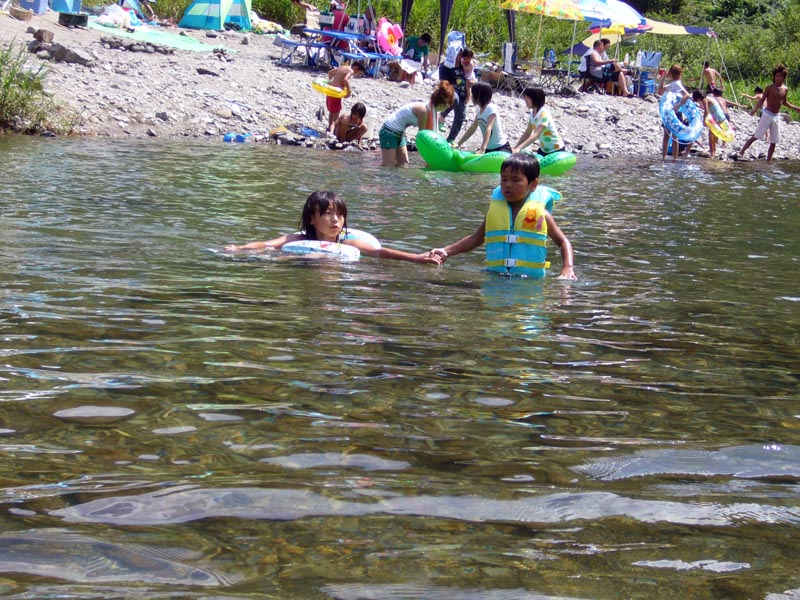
point(678, 130)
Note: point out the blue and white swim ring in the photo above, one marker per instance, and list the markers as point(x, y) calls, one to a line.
point(336, 250)
point(685, 134)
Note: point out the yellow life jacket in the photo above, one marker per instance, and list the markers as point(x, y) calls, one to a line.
point(519, 248)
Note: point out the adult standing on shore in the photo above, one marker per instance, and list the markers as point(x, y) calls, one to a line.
point(455, 76)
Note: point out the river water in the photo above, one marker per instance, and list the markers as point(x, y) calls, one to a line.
point(177, 423)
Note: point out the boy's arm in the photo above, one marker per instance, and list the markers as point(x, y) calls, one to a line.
point(788, 104)
point(562, 241)
point(760, 103)
point(463, 245)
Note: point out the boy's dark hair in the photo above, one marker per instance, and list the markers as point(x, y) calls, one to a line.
point(467, 52)
point(319, 202)
point(758, 90)
point(360, 65)
point(716, 92)
point(359, 109)
point(536, 95)
point(482, 93)
point(781, 68)
point(697, 95)
point(705, 65)
point(425, 37)
point(524, 163)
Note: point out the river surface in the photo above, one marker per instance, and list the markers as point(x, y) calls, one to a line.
point(176, 423)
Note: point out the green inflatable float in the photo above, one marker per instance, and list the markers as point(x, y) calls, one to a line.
point(435, 150)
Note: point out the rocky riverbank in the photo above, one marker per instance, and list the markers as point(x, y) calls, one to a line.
point(242, 88)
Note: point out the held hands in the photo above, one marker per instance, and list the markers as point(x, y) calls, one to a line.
point(440, 254)
point(231, 248)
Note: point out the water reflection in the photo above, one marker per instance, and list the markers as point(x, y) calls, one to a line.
point(380, 429)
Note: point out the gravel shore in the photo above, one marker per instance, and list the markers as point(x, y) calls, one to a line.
point(242, 88)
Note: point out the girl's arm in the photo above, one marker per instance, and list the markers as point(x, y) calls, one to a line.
point(393, 254)
point(275, 244)
point(426, 119)
point(487, 135)
point(528, 138)
point(465, 244)
point(560, 240)
point(468, 133)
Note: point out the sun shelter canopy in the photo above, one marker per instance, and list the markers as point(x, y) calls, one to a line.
point(214, 14)
point(657, 27)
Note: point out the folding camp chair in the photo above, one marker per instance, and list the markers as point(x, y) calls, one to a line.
point(513, 80)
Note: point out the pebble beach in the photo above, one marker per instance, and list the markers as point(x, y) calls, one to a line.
point(242, 88)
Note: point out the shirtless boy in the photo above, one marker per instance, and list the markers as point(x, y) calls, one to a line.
point(340, 77)
point(773, 99)
point(351, 128)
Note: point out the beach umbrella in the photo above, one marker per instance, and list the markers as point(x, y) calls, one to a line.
point(557, 9)
point(610, 12)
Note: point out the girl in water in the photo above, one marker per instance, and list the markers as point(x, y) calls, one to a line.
point(417, 114)
point(324, 219)
point(488, 119)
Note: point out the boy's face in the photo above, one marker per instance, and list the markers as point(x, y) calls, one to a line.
point(515, 186)
point(779, 78)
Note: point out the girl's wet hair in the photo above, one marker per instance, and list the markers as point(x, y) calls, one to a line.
point(320, 202)
point(536, 96)
point(524, 163)
point(482, 93)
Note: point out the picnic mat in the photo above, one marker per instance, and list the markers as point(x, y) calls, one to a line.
point(156, 35)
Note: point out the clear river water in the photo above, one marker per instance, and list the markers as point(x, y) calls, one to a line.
point(177, 423)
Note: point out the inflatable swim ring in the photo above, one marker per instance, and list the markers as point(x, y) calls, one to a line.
point(389, 36)
point(338, 250)
point(685, 134)
point(323, 86)
point(718, 123)
point(435, 150)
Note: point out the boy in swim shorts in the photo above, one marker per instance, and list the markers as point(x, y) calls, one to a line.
point(773, 99)
point(340, 77)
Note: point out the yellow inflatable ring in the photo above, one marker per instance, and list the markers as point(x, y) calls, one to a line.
point(324, 87)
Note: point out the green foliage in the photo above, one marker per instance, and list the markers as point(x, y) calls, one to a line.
point(24, 105)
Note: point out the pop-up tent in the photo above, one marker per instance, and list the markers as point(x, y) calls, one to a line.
point(214, 14)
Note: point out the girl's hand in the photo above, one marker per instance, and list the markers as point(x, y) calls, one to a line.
point(439, 253)
point(231, 248)
point(480, 151)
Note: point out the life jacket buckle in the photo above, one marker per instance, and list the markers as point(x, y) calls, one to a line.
point(511, 239)
point(510, 262)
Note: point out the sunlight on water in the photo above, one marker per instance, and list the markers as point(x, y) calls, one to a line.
point(179, 422)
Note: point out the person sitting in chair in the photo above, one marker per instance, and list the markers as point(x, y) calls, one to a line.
point(602, 71)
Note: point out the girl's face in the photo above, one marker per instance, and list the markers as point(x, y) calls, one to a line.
point(528, 102)
point(328, 224)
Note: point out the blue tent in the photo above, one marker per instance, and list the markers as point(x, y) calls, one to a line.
point(215, 14)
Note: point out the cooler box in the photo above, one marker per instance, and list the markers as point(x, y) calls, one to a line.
point(66, 6)
point(641, 88)
point(39, 7)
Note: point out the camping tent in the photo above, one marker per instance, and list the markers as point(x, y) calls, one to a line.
point(214, 14)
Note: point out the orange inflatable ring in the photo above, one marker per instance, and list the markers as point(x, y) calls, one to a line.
point(389, 36)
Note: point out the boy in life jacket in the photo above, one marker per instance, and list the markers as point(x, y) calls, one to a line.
point(518, 224)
